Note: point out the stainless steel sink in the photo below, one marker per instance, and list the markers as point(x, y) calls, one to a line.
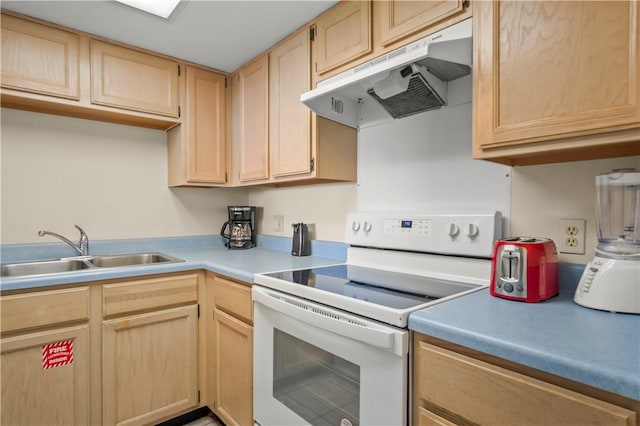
point(83, 263)
point(44, 267)
point(131, 260)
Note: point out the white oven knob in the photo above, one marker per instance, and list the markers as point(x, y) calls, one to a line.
point(472, 230)
point(367, 226)
point(355, 225)
point(453, 229)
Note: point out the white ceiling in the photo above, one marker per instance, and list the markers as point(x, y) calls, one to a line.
point(220, 34)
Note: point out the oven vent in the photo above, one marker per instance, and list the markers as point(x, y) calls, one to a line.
point(316, 310)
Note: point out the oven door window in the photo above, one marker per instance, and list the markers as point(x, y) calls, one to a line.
point(319, 386)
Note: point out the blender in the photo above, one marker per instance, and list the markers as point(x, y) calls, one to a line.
point(611, 281)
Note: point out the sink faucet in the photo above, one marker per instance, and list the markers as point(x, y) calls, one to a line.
point(83, 245)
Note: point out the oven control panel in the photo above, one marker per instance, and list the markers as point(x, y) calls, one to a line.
point(465, 235)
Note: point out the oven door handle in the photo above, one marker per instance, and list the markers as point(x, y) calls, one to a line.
point(327, 319)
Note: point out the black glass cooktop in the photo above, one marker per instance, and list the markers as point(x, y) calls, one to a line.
point(391, 289)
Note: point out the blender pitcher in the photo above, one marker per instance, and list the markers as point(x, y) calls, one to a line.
point(611, 281)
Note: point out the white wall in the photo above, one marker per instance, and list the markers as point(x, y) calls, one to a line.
point(109, 179)
point(324, 207)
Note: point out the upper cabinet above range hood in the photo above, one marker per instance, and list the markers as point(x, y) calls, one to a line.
point(403, 82)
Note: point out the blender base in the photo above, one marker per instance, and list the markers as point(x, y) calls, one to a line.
point(610, 285)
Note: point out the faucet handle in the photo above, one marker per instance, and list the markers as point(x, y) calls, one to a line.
point(84, 241)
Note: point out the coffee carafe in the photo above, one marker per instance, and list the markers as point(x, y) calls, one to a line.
point(239, 231)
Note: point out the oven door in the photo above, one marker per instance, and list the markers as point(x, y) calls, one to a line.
point(316, 365)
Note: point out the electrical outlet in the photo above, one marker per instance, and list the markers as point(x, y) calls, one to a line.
point(573, 234)
point(278, 223)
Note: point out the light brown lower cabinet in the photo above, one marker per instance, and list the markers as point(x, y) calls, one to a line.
point(149, 366)
point(35, 395)
point(451, 387)
point(142, 352)
point(233, 333)
point(149, 348)
point(41, 384)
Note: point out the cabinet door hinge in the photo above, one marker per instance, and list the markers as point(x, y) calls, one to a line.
point(198, 396)
point(198, 310)
point(179, 112)
point(178, 70)
point(225, 82)
point(466, 3)
point(312, 33)
point(312, 164)
point(225, 177)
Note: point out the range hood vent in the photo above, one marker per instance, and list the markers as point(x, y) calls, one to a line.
point(407, 81)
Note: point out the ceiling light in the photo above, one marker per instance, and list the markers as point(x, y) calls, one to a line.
point(161, 8)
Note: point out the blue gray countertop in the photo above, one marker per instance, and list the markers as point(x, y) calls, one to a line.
point(202, 252)
point(597, 348)
point(600, 349)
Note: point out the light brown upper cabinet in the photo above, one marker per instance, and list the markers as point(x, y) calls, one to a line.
point(290, 119)
point(197, 147)
point(400, 18)
point(276, 139)
point(342, 35)
point(129, 79)
point(556, 81)
point(39, 59)
point(251, 120)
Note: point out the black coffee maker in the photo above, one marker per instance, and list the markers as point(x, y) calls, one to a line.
point(239, 231)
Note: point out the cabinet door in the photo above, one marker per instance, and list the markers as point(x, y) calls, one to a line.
point(253, 120)
point(37, 392)
point(206, 121)
point(400, 18)
point(149, 366)
point(39, 59)
point(126, 78)
point(342, 34)
point(289, 119)
point(234, 369)
point(550, 70)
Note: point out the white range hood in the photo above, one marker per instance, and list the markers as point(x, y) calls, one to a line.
point(404, 82)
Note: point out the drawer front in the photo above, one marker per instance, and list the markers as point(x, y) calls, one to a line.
point(131, 296)
point(43, 308)
point(486, 394)
point(234, 298)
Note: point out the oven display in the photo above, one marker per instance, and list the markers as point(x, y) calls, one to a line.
point(406, 223)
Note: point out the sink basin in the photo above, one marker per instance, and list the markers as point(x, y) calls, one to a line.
point(84, 263)
point(132, 260)
point(44, 267)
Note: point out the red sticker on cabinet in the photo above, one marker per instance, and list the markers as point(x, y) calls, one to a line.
point(57, 354)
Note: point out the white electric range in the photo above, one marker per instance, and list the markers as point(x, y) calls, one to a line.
point(331, 344)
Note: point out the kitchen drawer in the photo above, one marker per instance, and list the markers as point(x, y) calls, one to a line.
point(151, 293)
point(44, 308)
point(234, 298)
point(483, 393)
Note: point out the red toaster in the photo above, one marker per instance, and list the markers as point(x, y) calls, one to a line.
point(524, 268)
